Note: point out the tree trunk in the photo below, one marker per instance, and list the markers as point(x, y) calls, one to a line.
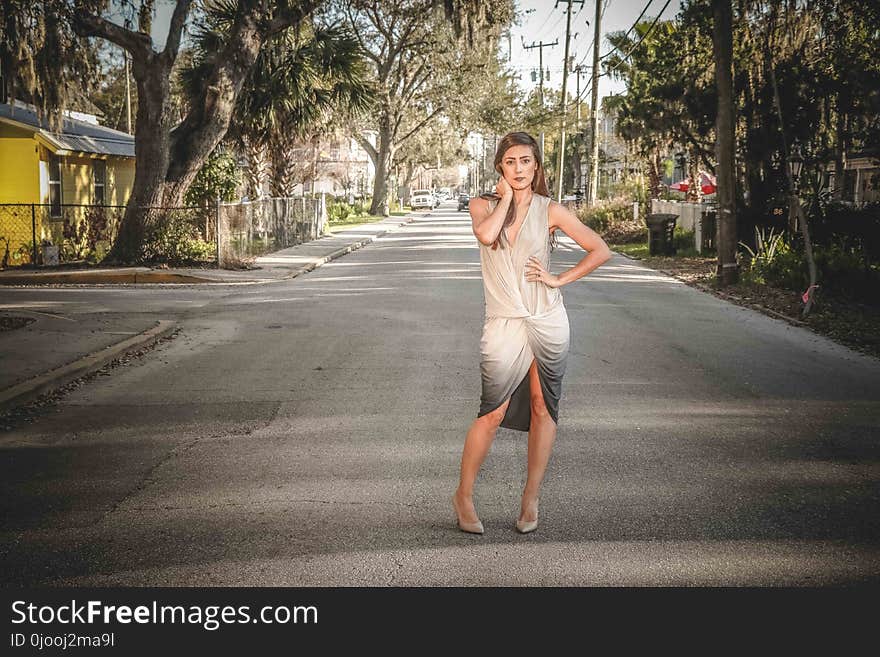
point(695, 189)
point(153, 122)
point(384, 162)
point(654, 174)
point(722, 41)
point(257, 168)
point(283, 169)
point(407, 182)
point(208, 120)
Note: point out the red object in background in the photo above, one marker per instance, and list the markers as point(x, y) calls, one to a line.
point(707, 184)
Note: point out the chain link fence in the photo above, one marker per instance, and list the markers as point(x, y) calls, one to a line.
point(33, 234)
point(251, 228)
point(45, 235)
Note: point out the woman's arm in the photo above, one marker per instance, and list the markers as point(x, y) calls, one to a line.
point(487, 225)
point(598, 252)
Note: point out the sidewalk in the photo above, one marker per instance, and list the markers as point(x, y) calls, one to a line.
point(277, 266)
point(55, 349)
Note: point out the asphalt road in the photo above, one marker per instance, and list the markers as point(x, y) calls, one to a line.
point(309, 433)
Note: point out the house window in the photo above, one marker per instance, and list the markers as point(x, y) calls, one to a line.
point(99, 174)
point(54, 186)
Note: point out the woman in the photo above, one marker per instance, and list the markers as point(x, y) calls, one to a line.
point(525, 338)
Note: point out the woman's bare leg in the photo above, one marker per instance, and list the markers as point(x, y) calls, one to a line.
point(542, 434)
point(476, 445)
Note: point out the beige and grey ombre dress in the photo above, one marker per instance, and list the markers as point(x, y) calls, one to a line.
point(525, 320)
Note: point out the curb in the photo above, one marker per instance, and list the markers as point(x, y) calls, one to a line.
point(739, 301)
point(28, 390)
point(727, 296)
point(338, 253)
point(172, 279)
point(111, 278)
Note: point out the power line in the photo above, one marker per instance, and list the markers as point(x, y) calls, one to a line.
point(546, 18)
point(631, 28)
point(635, 46)
point(555, 24)
point(638, 43)
point(604, 8)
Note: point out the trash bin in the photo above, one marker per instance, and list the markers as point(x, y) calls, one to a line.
point(50, 255)
point(707, 231)
point(661, 228)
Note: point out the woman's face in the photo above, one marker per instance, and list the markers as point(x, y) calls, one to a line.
point(518, 166)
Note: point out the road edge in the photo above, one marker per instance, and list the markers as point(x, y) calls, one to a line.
point(26, 391)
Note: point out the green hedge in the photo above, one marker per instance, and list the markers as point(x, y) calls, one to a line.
point(840, 269)
point(613, 221)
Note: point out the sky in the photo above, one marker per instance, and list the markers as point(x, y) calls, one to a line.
point(545, 21)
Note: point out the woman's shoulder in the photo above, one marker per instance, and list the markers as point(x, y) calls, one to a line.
point(480, 203)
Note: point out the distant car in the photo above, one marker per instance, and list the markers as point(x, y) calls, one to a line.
point(463, 202)
point(422, 198)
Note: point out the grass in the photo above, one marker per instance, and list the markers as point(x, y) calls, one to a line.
point(640, 250)
point(357, 220)
point(632, 250)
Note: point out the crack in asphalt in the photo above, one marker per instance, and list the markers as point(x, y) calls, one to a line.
point(180, 450)
point(398, 566)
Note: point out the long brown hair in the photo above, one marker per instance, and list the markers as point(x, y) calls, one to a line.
point(539, 182)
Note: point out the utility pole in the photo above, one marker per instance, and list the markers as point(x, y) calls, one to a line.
point(579, 69)
point(540, 46)
point(559, 176)
point(593, 188)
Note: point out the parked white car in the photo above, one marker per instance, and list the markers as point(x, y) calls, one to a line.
point(422, 198)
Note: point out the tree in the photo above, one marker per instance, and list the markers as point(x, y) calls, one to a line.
point(303, 81)
point(169, 155)
point(416, 60)
point(42, 59)
point(46, 41)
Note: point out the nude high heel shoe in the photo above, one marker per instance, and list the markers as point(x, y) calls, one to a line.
point(526, 526)
point(469, 527)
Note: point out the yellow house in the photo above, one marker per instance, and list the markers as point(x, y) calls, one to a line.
point(48, 177)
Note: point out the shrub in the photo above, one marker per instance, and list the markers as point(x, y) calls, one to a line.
point(81, 235)
point(836, 220)
point(176, 240)
point(683, 240)
point(338, 210)
point(601, 216)
point(840, 268)
point(626, 232)
point(788, 269)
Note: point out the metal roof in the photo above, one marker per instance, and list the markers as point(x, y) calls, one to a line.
point(75, 135)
